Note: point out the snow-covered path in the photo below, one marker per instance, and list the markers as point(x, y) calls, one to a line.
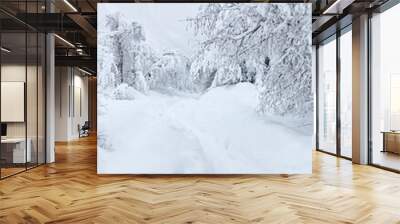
point(217, 132)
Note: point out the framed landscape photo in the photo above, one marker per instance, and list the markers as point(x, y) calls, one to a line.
point(204, 88)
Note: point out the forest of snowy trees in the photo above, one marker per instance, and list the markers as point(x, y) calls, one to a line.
point(204, 88)
point(267, 46)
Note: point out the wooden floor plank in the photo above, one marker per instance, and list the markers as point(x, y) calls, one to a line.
point(70, 191)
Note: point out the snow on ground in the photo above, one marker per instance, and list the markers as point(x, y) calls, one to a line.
point(217, 132)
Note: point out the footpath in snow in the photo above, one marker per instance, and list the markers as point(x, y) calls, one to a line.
point(217, 132)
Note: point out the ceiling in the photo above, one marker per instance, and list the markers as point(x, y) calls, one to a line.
point(75, 22)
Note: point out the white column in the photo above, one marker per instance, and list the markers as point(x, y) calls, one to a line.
point(360, 90)
point(50, 92)
point(314, 92)
point(50, 99)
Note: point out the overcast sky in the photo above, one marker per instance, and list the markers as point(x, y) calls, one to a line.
point(163, 24)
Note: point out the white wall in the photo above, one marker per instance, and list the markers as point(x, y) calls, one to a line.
point(70, 83)
point(79, 117)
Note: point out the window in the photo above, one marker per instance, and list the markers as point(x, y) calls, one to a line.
point(346, 93)
point(22, 77)
point(327, 96)
point(385, 89)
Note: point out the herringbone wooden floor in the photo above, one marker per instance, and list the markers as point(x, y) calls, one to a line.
point(70, 191)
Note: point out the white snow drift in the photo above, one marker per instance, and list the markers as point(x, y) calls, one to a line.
point(217, 132)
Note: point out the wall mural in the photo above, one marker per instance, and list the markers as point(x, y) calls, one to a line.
point(205, 88)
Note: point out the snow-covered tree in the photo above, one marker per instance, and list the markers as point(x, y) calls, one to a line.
point(271, 44)
point(169, 72)
point(203, 69)
point(208, 70)
point(107, 57)
point(124, 55)
point(227, 74)
point(107, 81)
